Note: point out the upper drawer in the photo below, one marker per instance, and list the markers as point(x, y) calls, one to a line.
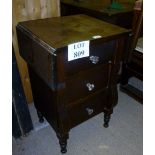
point(99, 53)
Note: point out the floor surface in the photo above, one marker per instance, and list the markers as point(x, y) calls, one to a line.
point(123, 137)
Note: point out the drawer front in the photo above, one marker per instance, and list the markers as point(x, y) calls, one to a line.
point(99, 53)
point(86, 83)
point(86, 108)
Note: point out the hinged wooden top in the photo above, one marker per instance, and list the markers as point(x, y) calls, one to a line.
point(59, 32)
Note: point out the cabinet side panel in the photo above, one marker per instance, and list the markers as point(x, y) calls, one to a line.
point(36, 55)
point(44, 98)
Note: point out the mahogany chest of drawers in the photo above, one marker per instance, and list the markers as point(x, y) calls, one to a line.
point(73, 63)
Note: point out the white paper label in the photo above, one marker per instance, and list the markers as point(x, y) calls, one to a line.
point(78, 50)
point(96, 37)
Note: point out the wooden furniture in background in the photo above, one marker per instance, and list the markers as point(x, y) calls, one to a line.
point(68, 92)
point(24, 10)
point(99, 9)
point(134, 66)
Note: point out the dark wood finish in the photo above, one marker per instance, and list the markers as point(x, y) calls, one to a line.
point(68, 93)
point(87, 107)
point(106, 120)
point(100, 9)
point(133, 92)
point(79, 83)
point(63, 142)
point(134, 66)
point(96, 48)
point(40, 116)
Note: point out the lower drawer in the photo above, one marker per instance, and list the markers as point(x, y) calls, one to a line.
point(86, 108)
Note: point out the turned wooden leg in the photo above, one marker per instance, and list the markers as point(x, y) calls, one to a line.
point(106, 119)
point(40, 116)
point(63, 142)
point(63, 145)
point(125, 75)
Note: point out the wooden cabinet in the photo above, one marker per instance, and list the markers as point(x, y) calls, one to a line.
point(134, 66)
point(69, 90)
point(100, 9)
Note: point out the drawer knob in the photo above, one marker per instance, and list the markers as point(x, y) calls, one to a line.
point(90, 86)
point(94, 59)
point(89, 111)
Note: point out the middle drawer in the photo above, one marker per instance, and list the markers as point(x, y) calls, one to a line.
point(86, 82)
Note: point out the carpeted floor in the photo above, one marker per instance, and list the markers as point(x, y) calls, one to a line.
point(123, 137)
